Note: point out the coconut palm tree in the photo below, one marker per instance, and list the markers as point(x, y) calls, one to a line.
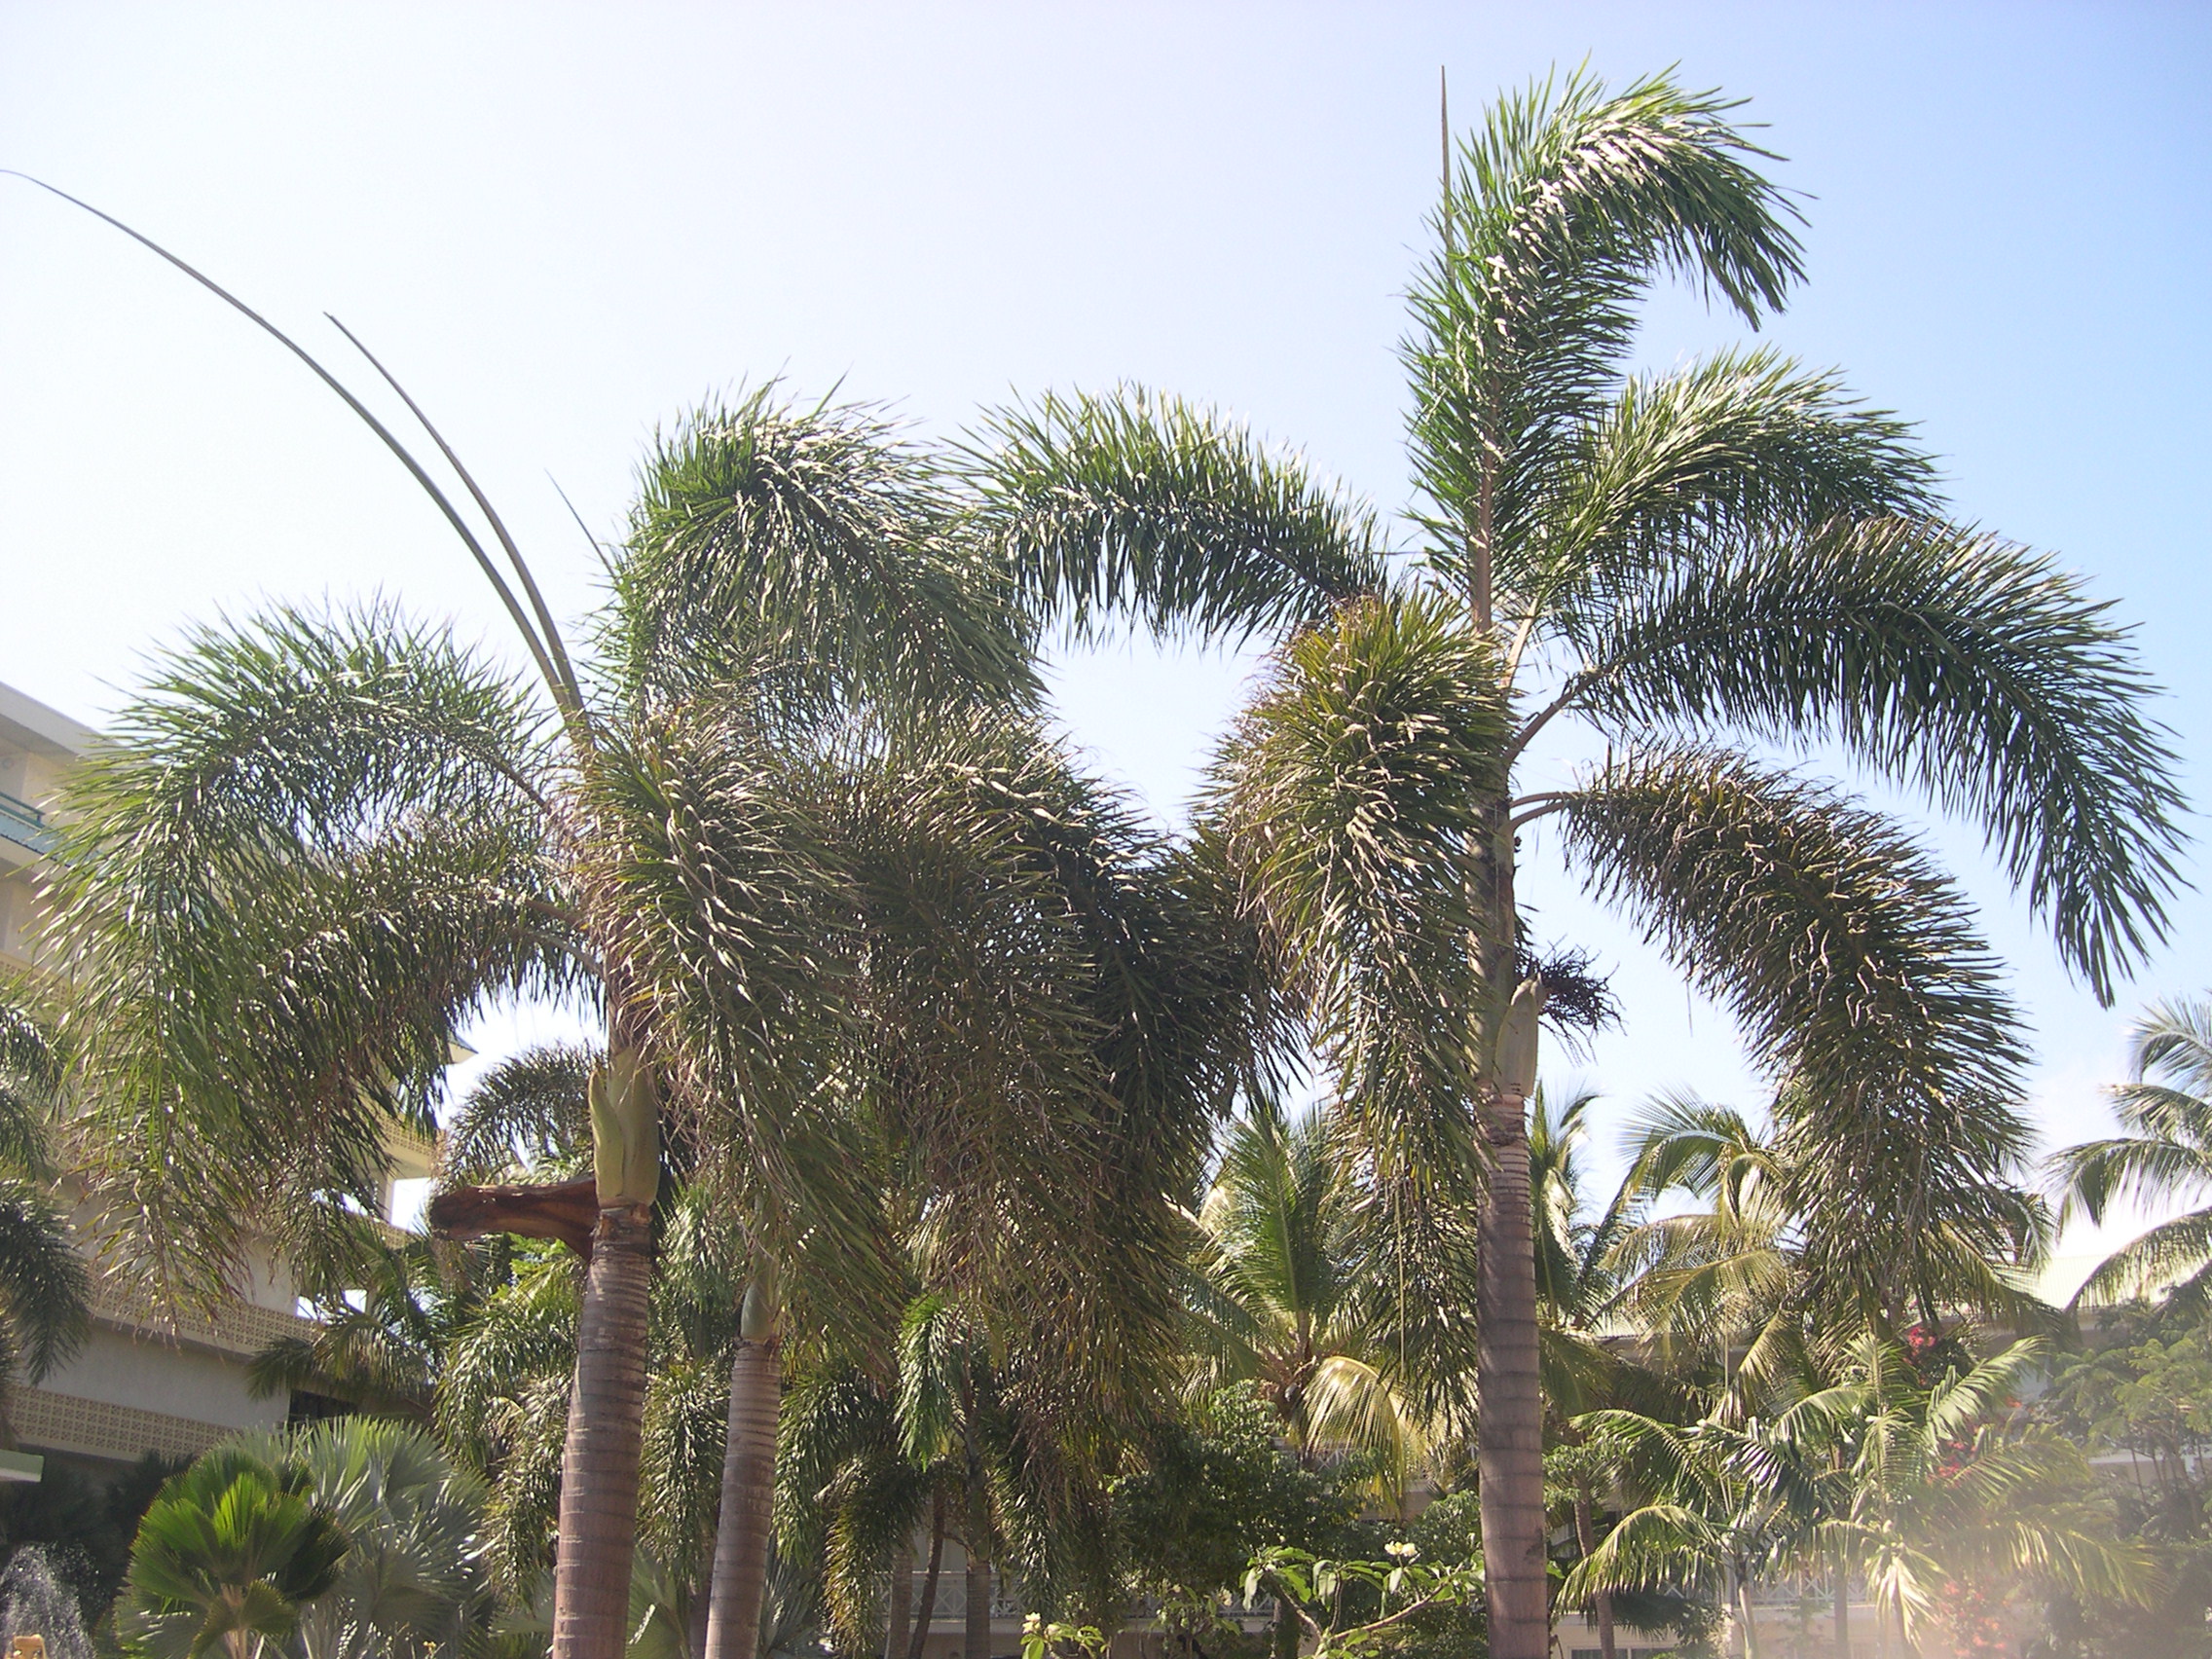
point(1712, 1273)
point(1691, 565)
point(1578, 1289)
point(1755, 1277)
point(1913, 1472)
point(2165, 1159)
point(1279, 1298)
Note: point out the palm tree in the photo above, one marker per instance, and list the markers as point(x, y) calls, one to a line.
point(500, 1379)
point(1915, 1473)
point(1713, 1278)
point(358, 832)
point(404, 832)
point(44, 1288)
point(1576, 1250)
point(413, 1579)
point(850, 1495)
point(228, 1556)
point(2166, 1158)
point(1577, 1291)
point(379, 1343)
point(1279, 1298)
point(1757, 1274)
point(1689, 564)
point(974, 875)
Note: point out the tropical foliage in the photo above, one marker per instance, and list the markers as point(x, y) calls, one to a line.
point(229, 1556)
point(929, 1183)
point(2163, 1162)
point(1692, 565)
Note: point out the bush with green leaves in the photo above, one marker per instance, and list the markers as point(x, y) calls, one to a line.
point(1215, 1489)
point(1359, 1609)
point(2144, 1391)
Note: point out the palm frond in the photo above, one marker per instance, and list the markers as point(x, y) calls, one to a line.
point(527, 1112)
point(34, 1070)
point(311, 846)
point(2098, 1175)
point(1945, 657)
point(1138, 504)
point(1678, 1141)
point(1352, 1406)
point(734, 934)
point(1738, 446)
point(1842, 952)
point(2171, 1251)
point(43, 1286)
point(2174, 1040)
point(1349, 798)
point(811, 553)
point(1562, 210)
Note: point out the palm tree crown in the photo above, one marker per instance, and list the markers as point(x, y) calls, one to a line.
point(2164, 1158)
point(1693, 566)
point(1281, 1300)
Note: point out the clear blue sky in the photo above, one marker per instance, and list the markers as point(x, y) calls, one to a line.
point(562, 224)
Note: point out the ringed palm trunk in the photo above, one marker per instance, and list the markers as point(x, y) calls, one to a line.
point(1509, 1427)
point(749, 1477)
point(599, 1463)
point(899, 1605)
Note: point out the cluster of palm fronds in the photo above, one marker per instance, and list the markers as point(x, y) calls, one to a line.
point(918, 1038)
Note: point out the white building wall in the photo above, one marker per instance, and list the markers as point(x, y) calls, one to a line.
point(140, 1371)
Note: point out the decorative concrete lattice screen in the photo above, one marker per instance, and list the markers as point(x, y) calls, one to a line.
point(242, 1327)
point(67, 1423)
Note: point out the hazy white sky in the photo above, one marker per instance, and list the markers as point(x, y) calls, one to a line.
point(562, 224)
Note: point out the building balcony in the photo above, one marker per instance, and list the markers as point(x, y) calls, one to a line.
point(24, 824)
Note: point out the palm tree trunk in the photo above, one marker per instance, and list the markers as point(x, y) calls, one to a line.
point(1586, 1535)
point(925, 1610)
point(749, 1477)
point(599, 1465)
point(1751, 1624)
point(899, 1603)
point(695, 1622)
point(1509, 1431)
point(975, 1641)
point(1842, 1609)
